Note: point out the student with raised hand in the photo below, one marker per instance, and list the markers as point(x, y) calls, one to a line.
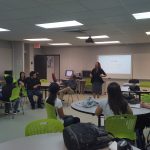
point(115, 104)
point(71, 85)
point(57, 103)
point(96, 79)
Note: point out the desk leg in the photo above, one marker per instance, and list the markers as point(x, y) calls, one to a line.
point(140, 97)
point(99, 121)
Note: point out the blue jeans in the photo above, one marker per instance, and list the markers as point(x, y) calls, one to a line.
point(36, 92)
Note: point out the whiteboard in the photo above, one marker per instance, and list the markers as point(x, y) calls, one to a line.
point(141, 65)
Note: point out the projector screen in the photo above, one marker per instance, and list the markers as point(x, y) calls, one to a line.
point(116, 66)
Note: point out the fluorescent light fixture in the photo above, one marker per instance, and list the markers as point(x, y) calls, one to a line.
point(144, 15)
point(148, 33)
point(93, 37)
point(60, 24)
point(59, 44)
point(2, 29)
point(39, 39)
point(108, 42)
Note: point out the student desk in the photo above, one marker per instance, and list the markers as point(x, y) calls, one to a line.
point(126, 89)
point(78, 107)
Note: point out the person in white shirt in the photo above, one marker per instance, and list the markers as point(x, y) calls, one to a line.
point(57, 103)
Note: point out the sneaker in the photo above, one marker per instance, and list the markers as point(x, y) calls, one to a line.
point(33, 107)
point(14, 113)
point(6, 113)
point(40, 106)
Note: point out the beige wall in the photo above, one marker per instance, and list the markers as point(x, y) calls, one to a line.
point(84, 58)
point(5, 56)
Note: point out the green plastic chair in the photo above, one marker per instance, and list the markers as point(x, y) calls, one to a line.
point(145, 84)
point(121, 126)
point(15, 94)
point(43, 126)
point(51, 112)
point(145, 98)
point(88, 84)
point(43, 80)
point(24, 91)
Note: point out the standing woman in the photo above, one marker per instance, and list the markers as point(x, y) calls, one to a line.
point(96, 80)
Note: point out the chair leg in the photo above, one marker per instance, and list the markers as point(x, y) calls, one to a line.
point(11, 109)
point(22, 101)
point(77, 96)
point(70, 95)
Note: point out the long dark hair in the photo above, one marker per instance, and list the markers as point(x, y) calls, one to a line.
point(24, 75)
point(53, 90)
point(115, 99)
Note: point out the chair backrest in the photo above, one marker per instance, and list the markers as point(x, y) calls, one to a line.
point(43, 80)
point(134, 81)
point(54, 77)
point(24, 91)
point(145, 98)
point(51, 111)
point(121, 126)
point(43, 126)
point(88, 82)
point(15, 93)
point(145, 84)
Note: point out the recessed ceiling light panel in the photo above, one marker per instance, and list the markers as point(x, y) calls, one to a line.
point(108, 42)
point(148, 33)
point(144, 15)
point(60, 24)
point(93, 37)
point(2, 29)
point(38, 39)
point(59, 44)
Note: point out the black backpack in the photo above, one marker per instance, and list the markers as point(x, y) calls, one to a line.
point(85, 136)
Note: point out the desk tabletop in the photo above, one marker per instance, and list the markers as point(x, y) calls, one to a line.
point(51, 141)
point(142, 90)
point(78, 106)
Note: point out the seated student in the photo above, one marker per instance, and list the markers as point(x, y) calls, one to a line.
point(115, 105)
point(56, 102)
point(33, 88)
point(6, 93)
point(71, 85)
point(22, 79)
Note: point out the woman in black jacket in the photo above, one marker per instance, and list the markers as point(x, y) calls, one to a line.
point(96, 79)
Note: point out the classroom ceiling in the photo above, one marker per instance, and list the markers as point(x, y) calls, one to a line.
point(100, 17)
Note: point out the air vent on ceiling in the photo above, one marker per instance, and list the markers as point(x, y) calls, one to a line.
point(75, 30)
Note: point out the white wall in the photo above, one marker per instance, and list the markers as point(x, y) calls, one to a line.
point(5, 56)
point(84, 58)
point(18, 58)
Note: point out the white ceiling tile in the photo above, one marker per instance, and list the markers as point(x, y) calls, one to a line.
point(111, 17)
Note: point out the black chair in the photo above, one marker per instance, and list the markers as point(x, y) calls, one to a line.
point(134, 81)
